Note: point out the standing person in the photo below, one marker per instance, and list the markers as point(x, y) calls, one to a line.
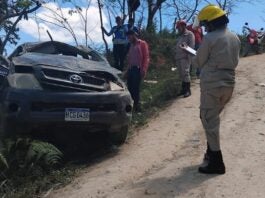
point(130, 26)
point(198, 34)
point(217, 57)
point(138, 62)
point(183, 58)
point(119, 42)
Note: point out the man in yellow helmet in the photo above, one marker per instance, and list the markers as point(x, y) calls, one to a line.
point(217, 58)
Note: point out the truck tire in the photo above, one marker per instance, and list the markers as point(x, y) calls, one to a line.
point(119, 137)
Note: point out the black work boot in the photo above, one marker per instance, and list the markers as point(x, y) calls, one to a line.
point(187, 90)
point(183, 88)
point(215, 165)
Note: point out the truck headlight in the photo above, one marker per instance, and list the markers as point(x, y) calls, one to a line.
point(115, 87)
point(23, 81)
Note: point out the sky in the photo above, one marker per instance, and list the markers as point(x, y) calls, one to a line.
point(251, 13)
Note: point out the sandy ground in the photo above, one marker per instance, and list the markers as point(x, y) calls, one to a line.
point(161, 159)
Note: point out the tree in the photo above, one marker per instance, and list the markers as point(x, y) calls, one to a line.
point(101, 24)
point(11, 12)
point(58, 18)
point(181, 9)
point(116, 8)
point(153, 7)
point(133, 5)
point(229, 5)
point(185, 9)
point(64, 15)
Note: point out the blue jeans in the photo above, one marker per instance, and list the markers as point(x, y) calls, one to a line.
point(119, 53)
point(133, 83)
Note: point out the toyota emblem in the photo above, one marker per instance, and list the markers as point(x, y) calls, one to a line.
point(76, 79)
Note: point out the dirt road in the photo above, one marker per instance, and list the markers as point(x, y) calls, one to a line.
point(161, 160)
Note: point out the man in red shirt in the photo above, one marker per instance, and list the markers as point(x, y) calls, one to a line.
point(138, 62)
point(198, 34)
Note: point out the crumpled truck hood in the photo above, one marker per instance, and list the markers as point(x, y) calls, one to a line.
point(62, 61)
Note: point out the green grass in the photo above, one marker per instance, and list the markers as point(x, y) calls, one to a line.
point(19, 186)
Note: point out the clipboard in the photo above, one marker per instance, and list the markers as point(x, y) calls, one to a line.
point(190, 50)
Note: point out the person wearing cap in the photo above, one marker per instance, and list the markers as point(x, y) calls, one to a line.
point(119, 42)
point(217, 57)
point(183, 58)
point(138, 62)
point(130, 26)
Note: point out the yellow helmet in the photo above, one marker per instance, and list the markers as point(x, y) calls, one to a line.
point(210, 12)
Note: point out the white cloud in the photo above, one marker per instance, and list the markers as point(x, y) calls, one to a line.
point(37, 28)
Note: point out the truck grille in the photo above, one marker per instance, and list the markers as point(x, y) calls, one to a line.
point(60, 79)
point(65, 75)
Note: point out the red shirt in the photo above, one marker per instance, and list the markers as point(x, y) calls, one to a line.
point(139, 55)
point(197, 33)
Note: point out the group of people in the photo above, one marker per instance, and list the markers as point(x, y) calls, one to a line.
point(216, 59)
point(127, 43)
point(120, 40)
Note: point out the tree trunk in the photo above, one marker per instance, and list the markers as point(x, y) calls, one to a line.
point(152, 9)
point(150, 16)
point(101, 22)
point(132, 7)
point(123, 11)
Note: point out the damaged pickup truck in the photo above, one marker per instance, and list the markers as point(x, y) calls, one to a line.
point(55, 85)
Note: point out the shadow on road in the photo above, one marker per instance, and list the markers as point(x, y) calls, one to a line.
point(82, 147)
point(177, 185)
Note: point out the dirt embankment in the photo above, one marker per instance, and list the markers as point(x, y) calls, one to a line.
point(161, 159)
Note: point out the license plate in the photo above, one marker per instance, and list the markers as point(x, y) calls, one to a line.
point(77, 114)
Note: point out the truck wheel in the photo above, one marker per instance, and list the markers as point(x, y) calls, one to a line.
point(119, 137)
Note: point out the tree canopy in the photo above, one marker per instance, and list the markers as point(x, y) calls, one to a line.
point(144, 12)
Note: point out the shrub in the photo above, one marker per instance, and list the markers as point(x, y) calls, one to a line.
point(24, 154)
